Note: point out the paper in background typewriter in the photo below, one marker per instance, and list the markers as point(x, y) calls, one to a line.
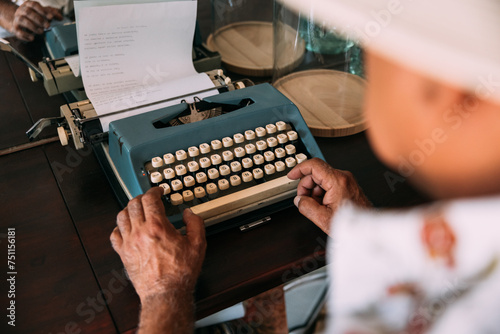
point(140, 56)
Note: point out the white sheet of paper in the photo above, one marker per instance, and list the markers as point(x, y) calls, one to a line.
point(74, 63)
point(136, 54)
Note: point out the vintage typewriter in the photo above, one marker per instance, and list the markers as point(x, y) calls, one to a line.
point(226, 157)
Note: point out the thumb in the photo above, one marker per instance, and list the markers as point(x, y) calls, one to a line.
point(195, 227)
point(315, 212)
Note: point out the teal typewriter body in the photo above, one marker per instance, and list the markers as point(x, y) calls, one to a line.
point(61, 41)
point(135, 140)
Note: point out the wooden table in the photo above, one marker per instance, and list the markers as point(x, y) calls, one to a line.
point(69, 280)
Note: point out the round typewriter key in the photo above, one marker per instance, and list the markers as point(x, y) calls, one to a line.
point(290, 149)
point(260, 131)
point(216, 144)
point(281, 126)
point(187, 195)
point(261, 145)
point(189, 181)
point(213, 173)
point(181, 155)
point(282, 138)
point(216, 159)
point(227, 141)
point(204, 148)
point(224, 170)
point(249, 135)
point(258, 159)
point(199, 192)
point(180, 170)
point(247, 163)
point(246, 176)
point(301, 157)
point(166, 188)
point(271, 128)
point(269, 156)
point(227, 155)
point(205, 162)
point(235, 180)
point(223, 184)
point(292, 135)
point(280, 153)
point(258, 173)
point(157, 162)
point(193, 151)
point(250, 148)
point(272, 142)
point(239, 152)
point(176, 199)
point(290, 162)
point(238, 138)
point(211, 188)
point(269, 169)
point(156, 177)
point(235, 166)
point(168, 158)
point(169, 173)
point(280, 166)
point(176, 185)
point(201, 177)
point(193, 166)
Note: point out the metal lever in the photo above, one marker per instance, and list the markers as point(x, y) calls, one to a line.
point(5, 46)
point(41, 124)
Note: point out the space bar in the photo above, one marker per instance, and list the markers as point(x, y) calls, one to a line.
point(245, 197)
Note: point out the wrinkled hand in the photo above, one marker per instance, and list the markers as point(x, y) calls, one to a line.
point(322, 189)
point(32, 18)
point(156, 256)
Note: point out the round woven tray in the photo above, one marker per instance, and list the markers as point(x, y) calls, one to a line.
point(247, 47)
point(331, 102)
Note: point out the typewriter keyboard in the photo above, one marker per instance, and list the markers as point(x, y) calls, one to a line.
point(231, 175)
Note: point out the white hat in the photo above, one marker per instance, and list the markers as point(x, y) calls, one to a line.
point(455, 41)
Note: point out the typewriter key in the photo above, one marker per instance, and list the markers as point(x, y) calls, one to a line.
point(281, 126)
point(156, 177)
point(290, 149)
point(199, 192)
point(166, 188)
point(176, 199)
point(301, 157)
point(201, 177)
point(290, 162)
point(271, 128)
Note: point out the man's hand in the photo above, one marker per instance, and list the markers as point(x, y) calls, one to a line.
point(158, 259)
point(322, 189)
point(30, 19)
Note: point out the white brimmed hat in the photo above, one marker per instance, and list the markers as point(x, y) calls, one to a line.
point(455, 41)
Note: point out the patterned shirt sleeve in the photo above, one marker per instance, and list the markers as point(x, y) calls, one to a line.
point(426, 270)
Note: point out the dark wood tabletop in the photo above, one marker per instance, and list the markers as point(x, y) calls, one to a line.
point(68, 278)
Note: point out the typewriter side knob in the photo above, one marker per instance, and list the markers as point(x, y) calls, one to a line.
point(63, 136)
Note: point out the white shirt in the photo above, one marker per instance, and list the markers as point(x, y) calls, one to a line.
point(433, 269)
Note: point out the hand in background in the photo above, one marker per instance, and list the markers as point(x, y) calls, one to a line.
point(322, 189)
point(157, 257)
point(31, 18)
